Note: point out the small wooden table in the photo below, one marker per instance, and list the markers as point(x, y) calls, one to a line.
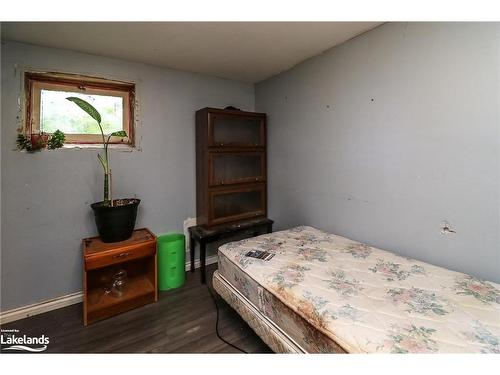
point(204, 236)
point(101, 261)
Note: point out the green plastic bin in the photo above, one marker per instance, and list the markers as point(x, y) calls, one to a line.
point(171, 261)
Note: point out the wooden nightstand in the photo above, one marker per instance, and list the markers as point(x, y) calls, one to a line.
point(101, 261)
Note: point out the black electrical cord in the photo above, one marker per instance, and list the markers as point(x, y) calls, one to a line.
point(217, 324)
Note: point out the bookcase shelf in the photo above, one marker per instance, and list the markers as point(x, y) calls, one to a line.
point(231, 176)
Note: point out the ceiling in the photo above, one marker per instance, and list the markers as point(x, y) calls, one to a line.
point(244, 51)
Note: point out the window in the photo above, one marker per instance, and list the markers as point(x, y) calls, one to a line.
point(48, 110)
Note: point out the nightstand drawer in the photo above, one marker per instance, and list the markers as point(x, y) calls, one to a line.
point(107, 258)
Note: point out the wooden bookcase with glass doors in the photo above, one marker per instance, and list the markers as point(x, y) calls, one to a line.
point(230, 166)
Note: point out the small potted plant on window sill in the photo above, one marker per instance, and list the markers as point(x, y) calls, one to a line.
point(38, 142)
point(115, 218)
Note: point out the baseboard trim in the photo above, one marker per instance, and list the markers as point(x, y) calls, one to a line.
point(40, 307)
point(63, 301)
point(210, 260)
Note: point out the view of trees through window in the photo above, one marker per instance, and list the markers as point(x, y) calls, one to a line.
point(58, 113)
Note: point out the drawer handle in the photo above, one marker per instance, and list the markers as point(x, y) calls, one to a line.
point(121, 255)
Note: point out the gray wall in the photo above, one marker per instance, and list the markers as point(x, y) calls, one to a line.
point(46, 196)
point(385, 136)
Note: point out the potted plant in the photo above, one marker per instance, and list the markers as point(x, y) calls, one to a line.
point(115, 218)
point(38, 142)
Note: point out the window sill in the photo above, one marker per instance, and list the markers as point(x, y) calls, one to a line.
point(117, 147)
point(75, 146)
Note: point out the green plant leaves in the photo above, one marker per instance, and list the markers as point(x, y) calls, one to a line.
point(23, 143)
point(120, 133)
point(56, 140)
point(87, 107)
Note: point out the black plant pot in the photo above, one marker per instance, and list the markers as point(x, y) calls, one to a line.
point(116, 223)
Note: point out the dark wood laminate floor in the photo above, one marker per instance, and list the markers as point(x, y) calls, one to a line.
point(182, 321)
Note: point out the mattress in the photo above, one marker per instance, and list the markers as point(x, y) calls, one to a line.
point(333, 294)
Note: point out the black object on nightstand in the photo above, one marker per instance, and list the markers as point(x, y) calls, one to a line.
point(204, 236)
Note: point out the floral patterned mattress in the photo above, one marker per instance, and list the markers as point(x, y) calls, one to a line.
point(364, 299)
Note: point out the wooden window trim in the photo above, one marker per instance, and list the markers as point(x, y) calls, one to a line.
point(35, 82)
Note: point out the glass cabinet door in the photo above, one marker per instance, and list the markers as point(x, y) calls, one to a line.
point(232, 168)
point(229, 205)
point(236, 131)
